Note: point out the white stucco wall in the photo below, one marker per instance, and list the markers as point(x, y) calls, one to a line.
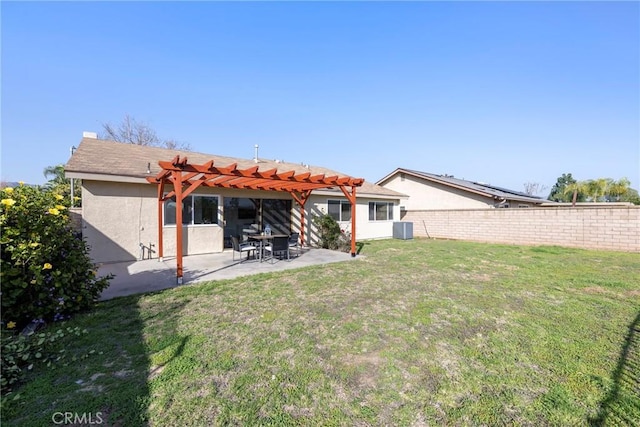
point(425, 195)
point(117, 217)
point(365, 229)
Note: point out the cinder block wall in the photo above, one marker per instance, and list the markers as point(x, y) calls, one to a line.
point(610, 228)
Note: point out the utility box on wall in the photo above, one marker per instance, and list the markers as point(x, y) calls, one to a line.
point(403, 230)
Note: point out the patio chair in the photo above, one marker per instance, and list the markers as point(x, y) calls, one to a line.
point(294, 245)
point(279, 245)
point(242, 247)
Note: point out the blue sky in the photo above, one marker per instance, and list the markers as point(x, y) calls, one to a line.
point(499, 92)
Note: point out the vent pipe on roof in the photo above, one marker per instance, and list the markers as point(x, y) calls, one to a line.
point(255, 157)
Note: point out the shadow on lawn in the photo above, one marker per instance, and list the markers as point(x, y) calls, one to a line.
point(128, 326)
point(622, 405)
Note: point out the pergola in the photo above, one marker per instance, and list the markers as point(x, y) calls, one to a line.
point(185, 178)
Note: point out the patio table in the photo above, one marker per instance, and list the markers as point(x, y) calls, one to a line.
point(262, 239)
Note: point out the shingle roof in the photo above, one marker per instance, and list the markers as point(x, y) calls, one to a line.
point(475, 187)
point(108, 158)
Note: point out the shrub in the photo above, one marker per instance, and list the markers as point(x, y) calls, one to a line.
point(331, 237)
point(45, 269)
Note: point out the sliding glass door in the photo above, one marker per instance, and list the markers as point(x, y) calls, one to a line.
point(241, 215)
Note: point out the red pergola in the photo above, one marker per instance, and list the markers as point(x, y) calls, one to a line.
point(185, 178)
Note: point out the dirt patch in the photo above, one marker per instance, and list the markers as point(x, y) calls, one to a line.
point(365, 366)
point(448, 359)
point(597, 290)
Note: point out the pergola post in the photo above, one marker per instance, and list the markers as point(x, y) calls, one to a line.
point(301, 200)
point(353, 222)
point(177, 187)
point(352, 199)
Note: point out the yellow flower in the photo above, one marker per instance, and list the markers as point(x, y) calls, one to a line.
point(8, 190)
point(60, 207)
point(59, 197)
point(33, 282)
point(34, 244)
point(8, 202)
point(11, 325)
point(47, 266)
point(21, 182)
point(54, 211)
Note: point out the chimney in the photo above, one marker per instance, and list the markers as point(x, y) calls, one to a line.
point(92, 135)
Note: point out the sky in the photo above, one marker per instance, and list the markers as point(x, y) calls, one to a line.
point(497, 92)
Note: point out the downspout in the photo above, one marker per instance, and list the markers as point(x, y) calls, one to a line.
point(160, 228)
point(73, 149)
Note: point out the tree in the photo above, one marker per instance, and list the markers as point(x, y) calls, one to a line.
point(575, 191)
point(59, 184)
point(601, 189)
point(558, 191)
point(132, 131)
point(631, 196)
point(617, 189)
point(533, 188)
point(596, 188)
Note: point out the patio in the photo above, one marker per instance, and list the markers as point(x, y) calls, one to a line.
point(151, 275)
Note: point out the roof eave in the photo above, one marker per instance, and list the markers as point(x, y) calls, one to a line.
point(105, 177)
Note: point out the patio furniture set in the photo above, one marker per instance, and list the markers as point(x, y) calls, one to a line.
point(267, 246)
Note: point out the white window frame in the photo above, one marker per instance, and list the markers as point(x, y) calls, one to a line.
point(390, 206)
point(341, 203)
point(192, 197)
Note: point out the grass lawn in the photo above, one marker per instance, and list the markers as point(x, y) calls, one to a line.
point(415, 332)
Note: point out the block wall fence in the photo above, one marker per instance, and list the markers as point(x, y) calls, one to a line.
point(608, 228)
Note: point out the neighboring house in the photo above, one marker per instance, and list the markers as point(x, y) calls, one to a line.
point(428, 191)
point(120, 206)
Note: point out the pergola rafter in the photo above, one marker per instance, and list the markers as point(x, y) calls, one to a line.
point(186, 178)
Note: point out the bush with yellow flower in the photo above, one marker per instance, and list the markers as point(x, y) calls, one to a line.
point(45, 269)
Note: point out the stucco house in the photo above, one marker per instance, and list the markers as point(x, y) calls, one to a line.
point(122, 212)
point(429, 191)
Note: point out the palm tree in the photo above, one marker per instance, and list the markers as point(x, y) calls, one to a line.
point(57, 174)
point(597, 188)
point(61, 185)
point(618, 188)
point(574, 189)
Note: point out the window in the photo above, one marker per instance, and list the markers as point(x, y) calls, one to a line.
point(340, 210)
point(195, 210)
point(380, 211)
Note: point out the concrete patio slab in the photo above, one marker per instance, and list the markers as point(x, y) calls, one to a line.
point(151, 275)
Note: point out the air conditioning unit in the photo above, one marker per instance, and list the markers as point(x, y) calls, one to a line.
point(403, 230)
